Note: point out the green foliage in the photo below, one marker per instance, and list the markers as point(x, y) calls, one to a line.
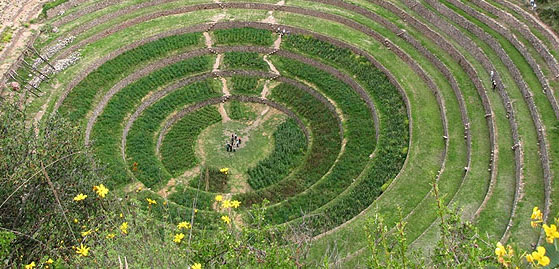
point(107, 132)
point(177, 149)
point(359, 134)
point(289, 150)
point(51, 5)
point(212, 180)
point(394, 130)
point(150, 243)
point(244, 36)
point(40, 173)
point(178, 207)
point(244, 60)
point(6, 239)
point(244, 85)
point(325, 146)
point(240, 111)
point(81, 98)
point(6, 37)
point(141, 140)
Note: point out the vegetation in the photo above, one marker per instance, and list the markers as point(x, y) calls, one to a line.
point(212, 179)
point(548, 10)
point(244, 85)
point(81, 98)
point(244, 60)
point(289, 149)
point(244, 36)
point(40, 174)
point(51, 5)
point(361, 197)
point(324, 149)
point(6, 37)
point(142, 137)
point(177, 149)
point(240, 111)
point(393, 147)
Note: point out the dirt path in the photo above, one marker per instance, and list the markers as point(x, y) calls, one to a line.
point(208, 39)
point(265, 89)
point(271, 65)
point(217, 62)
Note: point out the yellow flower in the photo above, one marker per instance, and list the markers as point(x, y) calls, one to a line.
point(101, 190)
point(80, 197)
point(219, 198)
point(536, 214)
point(121, 216)
point(111, 236)
point(164, 202)
point(195, 210)
point(82, 250)
point(226, 219)
point(539, 256)
point(86, 233)
point(226, 204)
point(196, 266)
point(151, 202)
point(544, 261)
point(30, 266)
point(124, 227)
point(224, 170)
point(550, 232)
point(49, 261)
point(178, 238)
point(529, 258)
point(185, 225)
point(500, 250)
point(235, 204)
point(76, 221)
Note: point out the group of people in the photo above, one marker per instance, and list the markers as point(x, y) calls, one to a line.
point(233, 144)
point(282, 32)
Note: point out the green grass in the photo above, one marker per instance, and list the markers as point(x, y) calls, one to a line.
point(80, 99)
point(244, 36)
point(407, 78)
point(108, 129)
point(244, 60)
point(244, 85)
point(141, 139)
point(533, 188)
point(178, 147)
point(289, 148)
point(256, 144)
point(240, 111)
